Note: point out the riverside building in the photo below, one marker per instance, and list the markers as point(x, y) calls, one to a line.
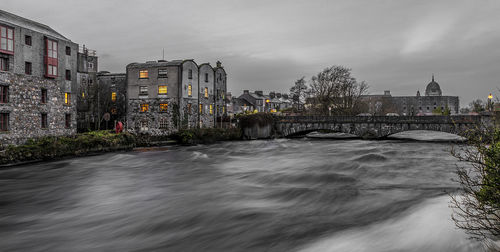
point(38, 69)
point(165, 96)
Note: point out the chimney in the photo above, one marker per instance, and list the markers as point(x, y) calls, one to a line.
point(259, 92)
point(278, 95)
point(245, 92)
point(387, 92)
point(272, 95)
point(219, 64)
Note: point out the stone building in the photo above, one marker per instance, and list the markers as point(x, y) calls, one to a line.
point(260, 102)
point(220, 91)
point(86, 95)
point(38, 69)
point(432, 103)
point(164, 96)
point(113, 95)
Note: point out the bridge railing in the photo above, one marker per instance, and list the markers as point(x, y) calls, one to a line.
point(455, 119)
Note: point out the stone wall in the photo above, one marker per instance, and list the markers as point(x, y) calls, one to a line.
point(25, 109)
point(153, 122)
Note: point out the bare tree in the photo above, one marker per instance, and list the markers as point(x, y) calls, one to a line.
point(299, 92)
point(335, 90)
point(477, 209)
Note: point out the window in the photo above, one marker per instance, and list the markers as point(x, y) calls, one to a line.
point(68, 121)
point(6, 40)
point(51, 58)
point(206, 77)
point(113, 96)
point(113, 111)
point(143, 74)
point(190, 90)
point(163, 123)
point(201, 109)
point(189, 108)
point(162, 73)
point(4, 64)
point(68, 50)
point(44, 96)
point(27, 40)
point(144, 107)
point(44, 121)
point(163, 107)
point(190, 74)
point(206, 92)
point(4, 94)
point(27, 68)
point(83, 95)
point(143, 90)
point(67, 98)
point(211, 109)
point(68, 74)
point(90, 65)
point(4, 121)
point(162, 90)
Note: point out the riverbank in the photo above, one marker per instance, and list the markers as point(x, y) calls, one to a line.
point(98, 142)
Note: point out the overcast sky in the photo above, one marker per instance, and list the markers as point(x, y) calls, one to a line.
point(267, 45)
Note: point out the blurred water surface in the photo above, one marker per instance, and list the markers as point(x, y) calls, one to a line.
point(276, 195)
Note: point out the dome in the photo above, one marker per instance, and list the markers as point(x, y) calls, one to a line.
point(433, 88)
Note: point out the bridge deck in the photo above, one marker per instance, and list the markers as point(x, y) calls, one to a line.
point(458, 119)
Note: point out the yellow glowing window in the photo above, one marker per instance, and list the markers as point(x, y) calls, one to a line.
point(162, 90)
point(113, 111)
point(144, 107)
point(143, 74)
point(206, 92)
point(67, 98)
point(83, 95)
point(113, 96)
point(163, 107)
point(211, 109)
point(190, 90)
point(223, 110)
point(267, 100)
point(201, 109)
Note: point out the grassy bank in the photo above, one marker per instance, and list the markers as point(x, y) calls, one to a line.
point(49, 148)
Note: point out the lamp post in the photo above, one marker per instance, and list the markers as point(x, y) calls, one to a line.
point(490, 104)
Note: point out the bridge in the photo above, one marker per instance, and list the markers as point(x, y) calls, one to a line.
point(376, 126)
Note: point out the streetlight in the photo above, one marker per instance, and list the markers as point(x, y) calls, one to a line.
point(490, 104)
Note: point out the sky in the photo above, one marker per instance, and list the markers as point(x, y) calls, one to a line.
point(266, 45)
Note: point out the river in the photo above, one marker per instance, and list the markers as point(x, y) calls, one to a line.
point(270, 195)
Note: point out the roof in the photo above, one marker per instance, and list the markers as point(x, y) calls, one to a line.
point(433, 88)
point(156, 64)
point(15, 20)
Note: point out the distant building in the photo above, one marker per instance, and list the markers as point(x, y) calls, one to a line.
point(260, 102)
point(87, 93)
point(165, 96)
point(412, 105)
point(38, 77)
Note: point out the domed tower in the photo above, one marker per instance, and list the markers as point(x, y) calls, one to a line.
point(433, 88)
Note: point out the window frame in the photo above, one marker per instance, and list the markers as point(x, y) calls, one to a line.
point(162, 73)
point(68, 51)
point(67, 98)
point(4, 64)
point(163, 123)
point(113, 96)
point(67, 121)
point(28, 68)
point(4, 94)
point(6, 38)
point(28, 40)
point(190, 90)
point(51, 58)
point(143, 74)
point(163, 107)
point(68, 75)
point(141, 92)
point(160, 87)
point(206, 77)
point(144, 107)
point(44, 121)
point(190, 74)
point(43, 96)
point(4, 122)
point(206, 92)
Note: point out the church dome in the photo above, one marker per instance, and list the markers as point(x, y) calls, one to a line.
point(433, 88)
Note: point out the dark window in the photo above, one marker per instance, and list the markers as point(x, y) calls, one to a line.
point(44, 96)
point(6, 40)
point(162, 73)
point(44, 121)
point(27, 39)
point(143, 90)
point(206, 77)
point(27, 68)
point(68, 121)
point(4, 121)
point(190, 74)
point(4, 64)
point(4, 94)
point(189, 108)
point(68, 50)
point(68, 74)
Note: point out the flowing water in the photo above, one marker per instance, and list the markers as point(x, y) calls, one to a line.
point(276, 195)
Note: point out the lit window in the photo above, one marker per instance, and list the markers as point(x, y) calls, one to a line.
point(163, 107)
point(190, 90)
point(206, 92)
point(144, 107)
point(162, 90)
point(211, 109)
point(113, 111)
point(67, 98)
point(113, 96)
point(7, 40)
point(83, 95)
point(143, 74)
point(201, 109)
